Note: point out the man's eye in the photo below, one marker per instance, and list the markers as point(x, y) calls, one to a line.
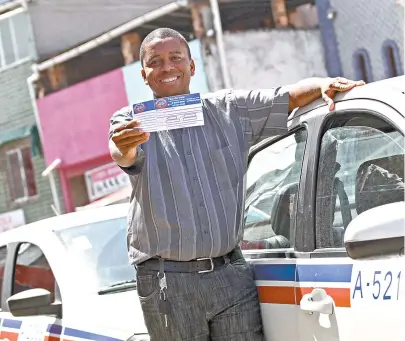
point(176, 58)
point(153, 63)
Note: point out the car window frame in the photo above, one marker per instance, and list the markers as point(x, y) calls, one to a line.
point(8, 276)
point(9, 270)
point(308, 125)
point(355, 107)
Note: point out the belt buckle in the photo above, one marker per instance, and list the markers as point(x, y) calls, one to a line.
point(212, 265)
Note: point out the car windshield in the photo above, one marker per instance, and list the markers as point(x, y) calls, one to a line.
point(100, 249)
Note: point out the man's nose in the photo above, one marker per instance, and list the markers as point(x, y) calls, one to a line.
point(167, 66)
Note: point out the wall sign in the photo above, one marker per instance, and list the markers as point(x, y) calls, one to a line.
point(105, 180)
point(11, 220)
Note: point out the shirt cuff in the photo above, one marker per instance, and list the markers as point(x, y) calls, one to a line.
point(137, 166)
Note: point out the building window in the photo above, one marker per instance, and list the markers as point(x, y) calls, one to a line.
point(14, 37)
point(362, 66)
point(21, 174)
point(392, 63)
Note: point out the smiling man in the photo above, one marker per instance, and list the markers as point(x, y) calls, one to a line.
point(186, 217)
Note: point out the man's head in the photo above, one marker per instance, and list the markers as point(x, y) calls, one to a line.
point(166, 61)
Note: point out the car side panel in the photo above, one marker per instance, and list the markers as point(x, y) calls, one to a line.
point(275, 281)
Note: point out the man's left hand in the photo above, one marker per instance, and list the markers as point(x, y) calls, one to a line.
point(331, 86)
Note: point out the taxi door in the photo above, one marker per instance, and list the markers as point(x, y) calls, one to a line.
point(274, 185)
point(23, 267)
point(358, 166)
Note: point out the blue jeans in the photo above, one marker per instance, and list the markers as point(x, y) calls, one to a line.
point(221, 305)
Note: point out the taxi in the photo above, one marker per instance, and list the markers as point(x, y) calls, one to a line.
point(324, 233)
point(68, 278)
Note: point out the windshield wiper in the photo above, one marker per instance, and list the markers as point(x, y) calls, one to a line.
point(119, 286)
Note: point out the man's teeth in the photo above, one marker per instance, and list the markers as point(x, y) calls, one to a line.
point(168, 80)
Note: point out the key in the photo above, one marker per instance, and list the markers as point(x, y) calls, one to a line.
point(164, 308)
point(163, 282)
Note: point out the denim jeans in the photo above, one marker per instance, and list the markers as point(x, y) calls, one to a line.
point(221, 305)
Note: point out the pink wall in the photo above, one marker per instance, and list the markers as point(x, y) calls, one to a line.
point(75, 120)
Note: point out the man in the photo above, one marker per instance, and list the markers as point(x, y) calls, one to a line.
point(186, 215)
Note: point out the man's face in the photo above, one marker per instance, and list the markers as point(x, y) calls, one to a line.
point(167, 68)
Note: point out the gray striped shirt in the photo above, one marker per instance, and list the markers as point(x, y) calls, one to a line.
point(188, 184)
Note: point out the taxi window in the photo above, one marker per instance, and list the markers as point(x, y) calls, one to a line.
point(3, 255)
point(271, 192)
point(361, 166)
point(32, 270)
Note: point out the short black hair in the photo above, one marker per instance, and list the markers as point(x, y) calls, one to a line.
point(162, 33)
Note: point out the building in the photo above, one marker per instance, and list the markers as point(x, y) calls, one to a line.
point(84, 91)
point(86, 67)
point(31, 32)
point(80, 88)
point(365, 37)
point(25, 195)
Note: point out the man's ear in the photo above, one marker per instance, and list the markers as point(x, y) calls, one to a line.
point(143, 73)
point(192, 67)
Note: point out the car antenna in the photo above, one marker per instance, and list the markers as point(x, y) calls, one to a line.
point(55, 210)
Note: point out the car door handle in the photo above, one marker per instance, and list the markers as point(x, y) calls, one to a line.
point(318, 301)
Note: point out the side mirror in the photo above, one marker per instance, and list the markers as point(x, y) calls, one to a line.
point(33, 302)
point(376, 232)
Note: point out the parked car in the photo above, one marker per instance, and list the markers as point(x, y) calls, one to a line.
point(69, 277)
point(324, 233)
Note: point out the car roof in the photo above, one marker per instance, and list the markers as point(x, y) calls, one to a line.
point(369, 91)
point(65, 221)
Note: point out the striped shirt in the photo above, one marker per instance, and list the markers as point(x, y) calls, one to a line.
point(188, 184)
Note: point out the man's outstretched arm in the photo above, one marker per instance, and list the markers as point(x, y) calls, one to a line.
point(310, 89)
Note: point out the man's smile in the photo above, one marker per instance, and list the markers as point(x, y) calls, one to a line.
point(169, 79)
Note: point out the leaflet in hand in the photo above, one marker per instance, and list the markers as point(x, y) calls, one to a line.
point(167, 113)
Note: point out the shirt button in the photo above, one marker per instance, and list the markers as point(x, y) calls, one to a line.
point(194, 178)
point(188, 153)
point(201, 204)
point(205, 232)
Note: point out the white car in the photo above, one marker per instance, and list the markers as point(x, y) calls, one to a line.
point(325, 228)
point(80, 262)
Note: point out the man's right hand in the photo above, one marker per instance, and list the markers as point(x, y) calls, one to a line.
point(125, 138)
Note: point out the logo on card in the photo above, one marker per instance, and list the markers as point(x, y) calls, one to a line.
point(138, 108)
point(161, 103)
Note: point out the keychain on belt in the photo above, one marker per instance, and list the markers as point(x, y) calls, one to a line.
point(164, 304)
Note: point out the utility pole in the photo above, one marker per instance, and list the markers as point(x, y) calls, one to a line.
point(279, 10)
point(220, 42)
point(208, 29)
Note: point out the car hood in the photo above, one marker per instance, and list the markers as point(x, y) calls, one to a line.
point(118, 315)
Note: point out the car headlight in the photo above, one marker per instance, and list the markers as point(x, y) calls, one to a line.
point(139, 337)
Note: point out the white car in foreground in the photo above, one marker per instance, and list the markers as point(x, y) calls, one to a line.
point(80, 260)
point(324, 217)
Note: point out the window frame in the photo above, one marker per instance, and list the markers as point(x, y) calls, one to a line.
point(23, 173)
point(287, 252)
point(362, 53)
point(9, 270)
point(391, 44)
point(16, 248)
point(3, 279)
point(18, 60)
point(375, 108)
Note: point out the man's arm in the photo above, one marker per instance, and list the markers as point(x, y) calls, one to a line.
point(310, 89)
point(264, 112)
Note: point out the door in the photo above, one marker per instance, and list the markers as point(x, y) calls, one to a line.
point(27, 268)
point(360, 166)
point(273, 182)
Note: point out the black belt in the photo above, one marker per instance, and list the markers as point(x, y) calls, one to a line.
point(200, 265)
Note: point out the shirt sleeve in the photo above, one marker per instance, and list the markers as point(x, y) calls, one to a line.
point(263, 113)
point(119, 117)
